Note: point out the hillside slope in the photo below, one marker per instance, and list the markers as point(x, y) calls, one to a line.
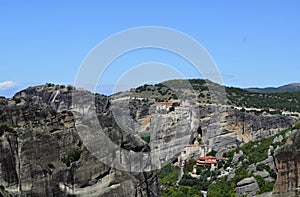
point(293, 87)
point(43, 151)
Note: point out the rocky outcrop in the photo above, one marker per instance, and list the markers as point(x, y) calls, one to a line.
point(9, 160)
point(45, 156)
point(249, 126)
point(288, 165)
point(225, 128)
point(247, 186)
point(221, 127)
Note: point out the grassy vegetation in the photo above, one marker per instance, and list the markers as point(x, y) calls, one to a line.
point(289, 101)
point(264, 186)
point(208, 92)
point(261, 167)
point(253, 153)
point(188, 186)
point(146, 138)
point(167, 176)
point(159, 92)
point(211, 153)
point(183, 191)
point(297, 126)
point(222, 188)
point(202, 183)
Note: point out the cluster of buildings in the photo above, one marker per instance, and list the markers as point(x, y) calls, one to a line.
point(189, 151)
point(163, 105)
point(197, 151)
point(179, 105)
point(288, 113)
point(210, 161)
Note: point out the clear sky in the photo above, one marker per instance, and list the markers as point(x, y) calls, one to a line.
point(254, 43)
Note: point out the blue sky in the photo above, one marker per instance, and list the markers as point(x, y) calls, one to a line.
point(254, 43)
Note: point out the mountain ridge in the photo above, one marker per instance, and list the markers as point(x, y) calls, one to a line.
point(292, 87)
point(134, 121)
point(205, 91)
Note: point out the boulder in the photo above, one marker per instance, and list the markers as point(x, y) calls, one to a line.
point(247, 186)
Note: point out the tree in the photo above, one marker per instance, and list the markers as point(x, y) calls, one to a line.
point(212, 153)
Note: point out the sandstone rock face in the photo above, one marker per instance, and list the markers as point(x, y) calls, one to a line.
point(288, 165)
point(222, 127)
point(249, 126)
point(225, 128)
point(247, 186)
point(9, 161)
point(45, 155)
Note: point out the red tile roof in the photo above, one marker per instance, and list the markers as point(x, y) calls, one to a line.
point(165, 103)
point(210, 162)
point(207, 157)
point(210, 157)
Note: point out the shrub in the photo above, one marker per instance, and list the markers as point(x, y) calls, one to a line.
point(261, 167)
point(51, 166)
point(297, 126)
point(241, 173)
point(50, 84)
point(190, 166)
point(146, 138)
point(171, 109)
point(70, 88)
point(212, 153)
point(263, 185)
point(168, 174)
point(72, 157)
point(5, 128)
point(222, 188)
point(17, 100)
point(200, 141)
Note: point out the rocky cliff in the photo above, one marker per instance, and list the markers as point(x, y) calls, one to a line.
point(44, 149)
point(42, 153)
point(288, 165)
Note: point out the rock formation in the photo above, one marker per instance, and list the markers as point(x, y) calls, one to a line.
point(43, 155)
point(247, 186)
point(288, 165)
point(44, 152)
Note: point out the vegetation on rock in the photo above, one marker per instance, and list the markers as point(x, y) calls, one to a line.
point(254, 152)
point(72, 157)
point(5, 128)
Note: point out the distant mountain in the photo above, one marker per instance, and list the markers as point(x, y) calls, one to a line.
point(293, 87)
